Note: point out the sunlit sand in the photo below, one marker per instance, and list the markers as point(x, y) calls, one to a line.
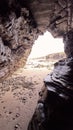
point(19, 93)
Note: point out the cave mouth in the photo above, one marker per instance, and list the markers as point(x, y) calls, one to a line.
point(46, 44)
point(45, 47)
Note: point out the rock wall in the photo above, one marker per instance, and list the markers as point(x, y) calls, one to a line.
point(22, 21)
point(54, 109)
point(53, 15)
point(17, 35)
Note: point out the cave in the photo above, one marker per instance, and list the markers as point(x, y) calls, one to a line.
point(21, 23)
point(46, 44)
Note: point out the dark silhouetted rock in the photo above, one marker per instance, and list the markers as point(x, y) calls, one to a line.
point(55, 107)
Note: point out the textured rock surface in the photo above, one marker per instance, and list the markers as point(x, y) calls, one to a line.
point(55, 106)
point(17, 35)
point(21, 22)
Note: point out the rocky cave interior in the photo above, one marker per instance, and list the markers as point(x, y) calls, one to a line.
point(22, 21)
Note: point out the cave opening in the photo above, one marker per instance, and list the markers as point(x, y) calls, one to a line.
point(45, 51)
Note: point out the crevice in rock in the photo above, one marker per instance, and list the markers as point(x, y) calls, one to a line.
point(4, 9)
point(6, 43)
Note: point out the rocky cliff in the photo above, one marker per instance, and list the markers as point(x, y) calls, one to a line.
point(22, 21)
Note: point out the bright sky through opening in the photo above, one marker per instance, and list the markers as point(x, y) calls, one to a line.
point(46, 44)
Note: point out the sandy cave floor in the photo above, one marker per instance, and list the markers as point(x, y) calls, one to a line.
point(18, 97)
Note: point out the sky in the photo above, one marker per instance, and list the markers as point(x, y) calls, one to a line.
point(46, 44)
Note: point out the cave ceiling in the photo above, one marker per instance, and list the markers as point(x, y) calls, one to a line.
point(22, 21)
point(53, 15)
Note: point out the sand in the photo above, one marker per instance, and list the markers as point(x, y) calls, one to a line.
point(19, 96)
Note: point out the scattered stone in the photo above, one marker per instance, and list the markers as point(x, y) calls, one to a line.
point(17, 115)
point(2, 101)
point(23, 100)
point(4, 107)
point(17, 127)
point(13, 118)
point(10, 112)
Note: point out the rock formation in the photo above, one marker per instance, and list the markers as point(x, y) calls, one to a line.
point(17, 35)
point(55, 106)
point(22, 21)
